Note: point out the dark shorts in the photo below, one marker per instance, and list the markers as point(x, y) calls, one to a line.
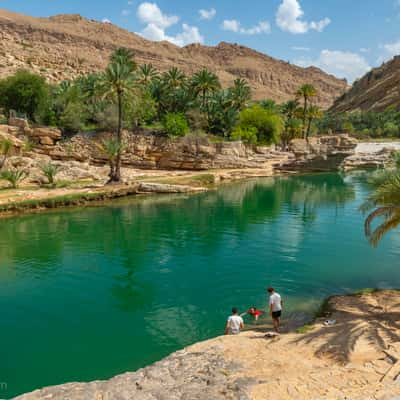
point(276, 314)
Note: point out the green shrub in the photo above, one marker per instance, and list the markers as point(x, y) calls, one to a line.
point(72, 118)
point(6, 146)
point(267, 124)
point(13, 176)
point(25, 93)
point(391, 129)
point(246, 134)
point(50, 171)
point(28, 145)
point(175, 124)
point(348, 127)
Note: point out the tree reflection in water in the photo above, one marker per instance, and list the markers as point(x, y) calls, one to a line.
point(128, 232)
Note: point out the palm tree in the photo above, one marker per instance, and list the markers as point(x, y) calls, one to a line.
point(117, 83)
point(313, 113)
point(147, 73)
point(290, 108)
point(205, 82)
point(174, 78)
point(292, 123)
point(240, 93)
point(111, 148)
point(124, 56)
point(307, 92)
point(385, 201)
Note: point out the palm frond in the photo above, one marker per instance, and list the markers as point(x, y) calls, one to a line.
point(392, 221)
point(385, 212)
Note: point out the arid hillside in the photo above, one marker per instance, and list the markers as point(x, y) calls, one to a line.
point(65, 46)
point(377, 90)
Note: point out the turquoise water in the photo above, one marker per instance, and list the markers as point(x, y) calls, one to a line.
point(89, 293)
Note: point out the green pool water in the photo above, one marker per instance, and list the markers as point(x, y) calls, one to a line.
point(89, 293)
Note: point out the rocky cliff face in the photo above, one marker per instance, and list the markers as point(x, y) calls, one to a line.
point(377, 90)
point(66, 46)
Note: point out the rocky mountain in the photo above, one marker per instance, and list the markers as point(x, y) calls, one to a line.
point(377, 90)
point(65, 46)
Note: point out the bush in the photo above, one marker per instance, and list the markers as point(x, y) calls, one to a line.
point(5, 149)
point(72, 118)
point(391, 129)
point(268, 125)
point(28, 145)
point(175, 124)
point(247, 134)
point(141, 110)
point(25, 93)
point(50, 171)
point(13, 176)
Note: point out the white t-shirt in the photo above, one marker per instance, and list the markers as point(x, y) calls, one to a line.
point(275, 301)
point(234, 322)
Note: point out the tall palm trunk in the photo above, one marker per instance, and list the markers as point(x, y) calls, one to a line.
point(117, 170)
point(308, 128)
point(305, 116)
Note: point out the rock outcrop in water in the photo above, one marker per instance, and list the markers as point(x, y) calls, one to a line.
point(357, 358)
point(319, 154)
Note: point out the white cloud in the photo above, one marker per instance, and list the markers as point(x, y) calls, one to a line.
point(208, 14)
point(393, 49)
point(342, 64)
point(190, 34)
point(150, 13)
point(231, 25)
point(299, 48)
point(106, 21)
point(389, 50)
point(289, 19)
point(235, 26)
point(365, 50)
point(157, 22)
point(320, 25)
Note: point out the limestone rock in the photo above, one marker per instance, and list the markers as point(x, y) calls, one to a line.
point(369, 160)
point(165, 188)
point(46, 140)
point(52, 133)
point(21, 123)
point(322, 153)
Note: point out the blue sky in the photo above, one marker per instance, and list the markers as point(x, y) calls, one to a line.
point(343, 37)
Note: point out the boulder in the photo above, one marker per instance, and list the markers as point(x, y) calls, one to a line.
point(46, 140)
point(52, 133)
point(21, 123)
point(321, 153)
point(369, 160)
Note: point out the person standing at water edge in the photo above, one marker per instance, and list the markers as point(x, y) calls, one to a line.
point(234, 324)
point(275, 307)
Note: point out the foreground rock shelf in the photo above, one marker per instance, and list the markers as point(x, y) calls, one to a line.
point(358, 358)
